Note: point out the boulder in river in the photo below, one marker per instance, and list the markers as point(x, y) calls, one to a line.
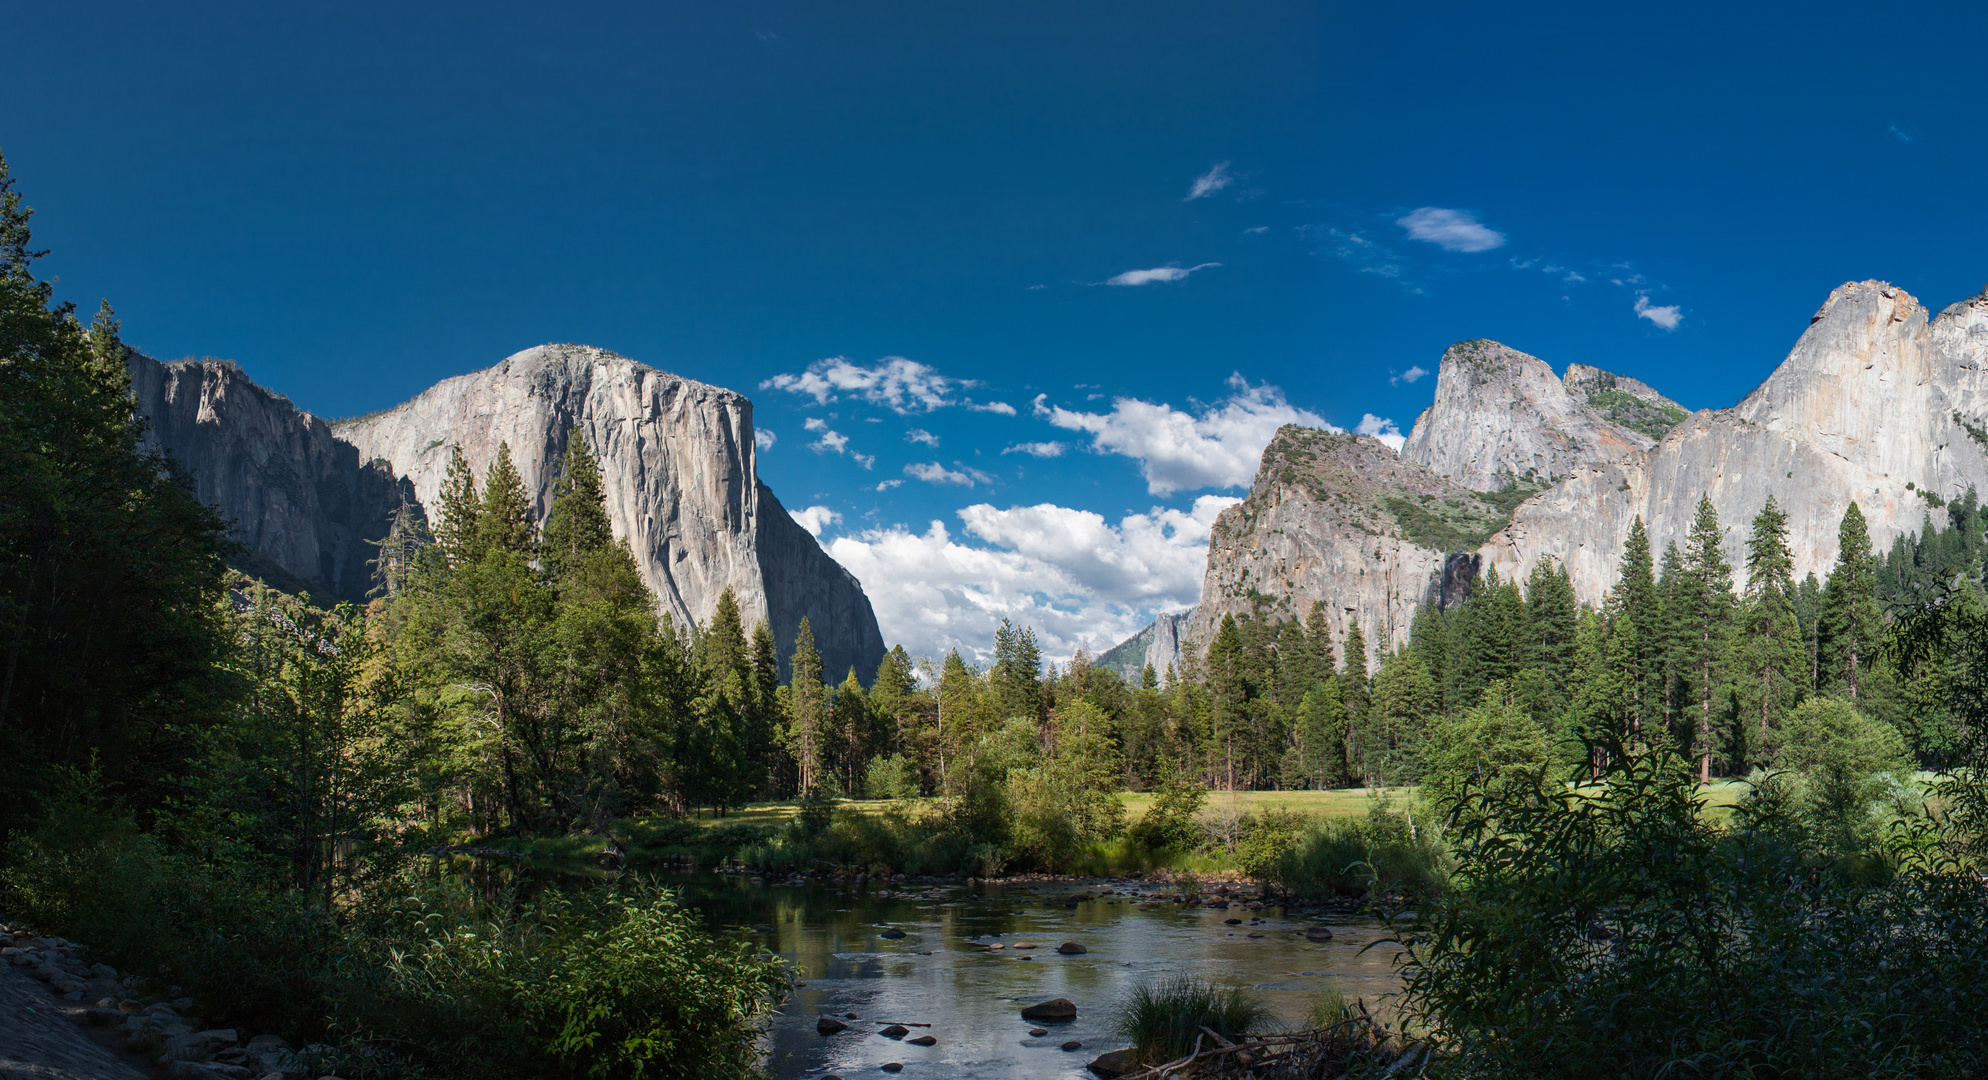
point(1318, 933)
point(1071, 948)
point(1072, 1044)
point(895, 1031)
point(829, 1025)
point(892, 1066)
point(1054, 1009)
point(1232, 922)
point(923, 1040)
point(893, 934)
point(1038, 1031)
point(1114, 1063)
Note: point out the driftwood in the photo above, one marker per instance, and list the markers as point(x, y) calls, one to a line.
point(1285, 1055)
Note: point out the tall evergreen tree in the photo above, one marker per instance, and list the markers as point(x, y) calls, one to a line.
point(505, 521)
point(1703, 627)
point(1851, 623)
point(1228, 694)
point(1354, 692)
point(809, 723)
point(1636, 625)
point(578, 523)
point(1773, 667)
point(1555, 619)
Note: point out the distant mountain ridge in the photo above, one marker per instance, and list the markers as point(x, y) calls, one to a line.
point(308, 499)
point(1875, 402)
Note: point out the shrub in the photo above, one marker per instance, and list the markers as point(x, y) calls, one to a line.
point(1388, 851)
point(1611, 931)
point(891, 777)
point(1172, 823)
point(1163, 1021)
point(612, 982)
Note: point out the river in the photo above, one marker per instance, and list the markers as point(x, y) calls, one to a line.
point(945, 972)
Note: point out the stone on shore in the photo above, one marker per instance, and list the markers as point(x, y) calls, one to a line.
point(1113, 1063)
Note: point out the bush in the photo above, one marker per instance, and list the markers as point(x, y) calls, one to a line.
point(1267, 839)
point(1172, 823)
point(1611, 931)
point(891, 777)
point(612, 982)
point(1388, 851)
point(1164, 1021)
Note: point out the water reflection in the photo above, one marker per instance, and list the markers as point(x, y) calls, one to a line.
point(945, 971)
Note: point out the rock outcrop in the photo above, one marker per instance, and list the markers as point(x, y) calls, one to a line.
point(1338, 519)
point(1873, 404)
point(1158, 644)
point(1502, 417)
point(678, 457)
point(303, 503)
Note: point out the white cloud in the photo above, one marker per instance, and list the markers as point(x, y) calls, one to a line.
point(1035, 288)
point(815, 423)
point(904, 386)
point(1899, 134)
point(868, 461)
point(1078, 579)
point(1257, 229)
point(934, 473)
point(1383, 429)
point(886, 485)
point(1451, 230)
point(1158, 273)
point(1037, 449)
point(830, 440)
point(764, 439)
point(1001, 407)
point(815, 519)
point(1210, 182)
point(920, 435)
point(1667, 316)
point(1181, 451)
point(1413, 373)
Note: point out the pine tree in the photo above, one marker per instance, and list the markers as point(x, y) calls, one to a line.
point(1355, 692)
point(809, 722)
point(851, 723)
point(1398, 719)
point(1773, 661)
point(461, 506)
point(1703, 627)
point(504, 521)
point(1228, 694)
point(1636, 624)
point(578, 523)
point(1851, 622)
point(1555, 620)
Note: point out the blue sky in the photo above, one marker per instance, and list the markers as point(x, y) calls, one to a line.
point(825, 205)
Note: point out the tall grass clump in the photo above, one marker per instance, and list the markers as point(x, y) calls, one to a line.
point(1163, 1020)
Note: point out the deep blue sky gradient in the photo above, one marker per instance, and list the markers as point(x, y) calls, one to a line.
point(356, 203)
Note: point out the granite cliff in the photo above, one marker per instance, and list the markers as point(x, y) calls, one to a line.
point(1875, 403)
point(678, 455)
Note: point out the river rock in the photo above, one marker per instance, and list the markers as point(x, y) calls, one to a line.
point(892, 1066)
point(923, 1040)
point(1038, 1031)
point(1053, 1010)
point(1071, 948)
point(892, 934)
point(1113, 1063)
point(198, 1046)
point(1318, 933)
point(895, 1031)
point(1072, 1044)
point(829, 1025)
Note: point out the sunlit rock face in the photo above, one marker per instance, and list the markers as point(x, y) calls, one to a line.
point(1875, 404)
point(678, 458)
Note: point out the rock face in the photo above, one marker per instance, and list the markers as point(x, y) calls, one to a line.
point(1338, 519)
point(303, 502)
point(677, 455)
point(1158, 644)
point(1875, 403)
point(1501, 418)
point(1628, 402)
point(1872, 399)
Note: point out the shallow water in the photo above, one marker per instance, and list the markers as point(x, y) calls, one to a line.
point(943, 972)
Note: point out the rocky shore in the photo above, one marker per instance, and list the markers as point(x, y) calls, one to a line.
point(64, 1017)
